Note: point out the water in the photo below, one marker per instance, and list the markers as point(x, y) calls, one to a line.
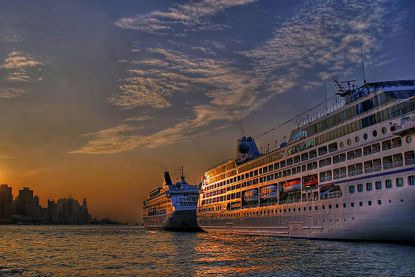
point(131, 251)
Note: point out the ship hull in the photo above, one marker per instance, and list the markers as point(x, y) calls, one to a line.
point(174, 221)
point(392, 220)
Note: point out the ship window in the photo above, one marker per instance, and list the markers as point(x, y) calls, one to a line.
point(256, 172)
point(379, 202)
point(356, 139)
point(270, 167)
point(322, 150)
point(360, 187)
point(388, 183)
point(313, 154)
point(304, 208)
point(378, 185)
point(304, 157)
point(349, 141)
point(324, 207)
point(411, 180)
point(396, 142)
point(333, 147)
point(282, 164)
point(399, 182)
point(375, 133)
point(386, 145)
point(329, 206)
point(344, 205)
point(409, 157)
point(276, 165)
point(309, 208)
point(303, 167)
point(365, 136)
point(360, 204)
point(352, 204)
point(351, 189)
point(289, 161)
point(384, 130)
point(368, 186)
point(397, 160)
point(369, 203)
point(316, 207)
point(260, 171)
point(408, 139)
point(337, 206)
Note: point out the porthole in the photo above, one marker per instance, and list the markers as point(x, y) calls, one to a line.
point(408, 139)
point(375, 133)
point(356, 139)
point(341, 144)
point(349, 141)
point(384, 130)
point(365, 136)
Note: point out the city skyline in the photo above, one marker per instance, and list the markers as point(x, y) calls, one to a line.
point(97, 99)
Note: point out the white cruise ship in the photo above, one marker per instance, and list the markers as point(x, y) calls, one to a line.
point(172, 206)
point(347, 175)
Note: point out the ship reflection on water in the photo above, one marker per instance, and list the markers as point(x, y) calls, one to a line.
point(132, 251)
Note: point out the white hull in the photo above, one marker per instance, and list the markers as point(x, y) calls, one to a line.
point(392, 220)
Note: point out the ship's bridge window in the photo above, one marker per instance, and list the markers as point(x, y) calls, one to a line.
point(399, 182)
point(351, 189)
point(409, 157)
point(411, 180)
point(388, 184)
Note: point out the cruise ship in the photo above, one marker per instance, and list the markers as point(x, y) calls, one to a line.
point(172, 206)
point(347, 175)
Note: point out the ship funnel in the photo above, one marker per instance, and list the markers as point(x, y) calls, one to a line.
point(167, 178)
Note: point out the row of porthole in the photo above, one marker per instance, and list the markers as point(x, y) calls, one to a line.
point(374, 134)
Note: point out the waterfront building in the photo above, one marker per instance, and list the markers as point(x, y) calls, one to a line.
point(345, 174)
point(6, 202)
point(68, 211)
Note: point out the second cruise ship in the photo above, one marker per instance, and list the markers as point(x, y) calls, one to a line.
point(349, 174)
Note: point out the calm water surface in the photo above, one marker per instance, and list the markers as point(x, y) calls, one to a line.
point(131, 251)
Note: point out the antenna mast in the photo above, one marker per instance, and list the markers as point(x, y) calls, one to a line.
point(363, 66)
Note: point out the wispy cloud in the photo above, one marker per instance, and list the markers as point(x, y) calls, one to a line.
point(21, 67)
point(190, 16)
point(322, 39)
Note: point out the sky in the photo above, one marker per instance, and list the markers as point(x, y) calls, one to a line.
point(99, 97)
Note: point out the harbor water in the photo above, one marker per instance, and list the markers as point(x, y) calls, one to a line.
point(133, 251)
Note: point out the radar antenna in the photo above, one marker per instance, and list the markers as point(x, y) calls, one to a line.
point(342, 90)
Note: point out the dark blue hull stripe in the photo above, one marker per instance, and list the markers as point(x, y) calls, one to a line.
point(376, 175)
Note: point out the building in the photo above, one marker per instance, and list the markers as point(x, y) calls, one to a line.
point(6, 203)
point(68, 211)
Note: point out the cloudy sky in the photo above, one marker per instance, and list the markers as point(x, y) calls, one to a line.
point(97, 98)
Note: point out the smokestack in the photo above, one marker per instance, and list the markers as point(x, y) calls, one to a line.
point(167, 178)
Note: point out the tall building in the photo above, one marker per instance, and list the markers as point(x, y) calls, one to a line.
point(6, 202)
point(68, 211)
point(26, 204)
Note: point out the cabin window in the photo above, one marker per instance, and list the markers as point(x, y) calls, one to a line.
point(409, 157)
point(352, 204)
point(333, 147)
point(388, 184)
point(270, 167)
point(276, 166)
point(322, 150)
point(379, 202)
point(282, 164)
point(378, 185)
point(368, 186)
point(397, 160)
point(313, 154)
point(386, 145)
point(337, 206)
point(260, 171)
point(304, 157)
point(289, 161)
point(297, 159)
point(387, 162)
point(256, 172)
point(369, 203)
point(360, 187)
point(396, 142)
point(351, 189)
point(411, 180)
point(399, 182)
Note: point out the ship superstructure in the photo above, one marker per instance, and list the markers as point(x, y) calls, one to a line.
point(349, 174)
point(172, 206)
